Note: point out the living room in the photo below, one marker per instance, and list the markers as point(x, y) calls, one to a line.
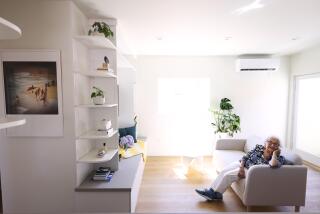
point(146, 89)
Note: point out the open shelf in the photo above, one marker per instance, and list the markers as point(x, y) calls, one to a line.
point(7, 123)
point(91, 157)
point(96, 42)
point(97, 135)
point(123, 179)
point(104, 74)
point(96, 106)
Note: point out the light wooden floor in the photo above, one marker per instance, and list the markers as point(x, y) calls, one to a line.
point(167, 187)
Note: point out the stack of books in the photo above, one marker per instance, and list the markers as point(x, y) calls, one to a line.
point(103, 174)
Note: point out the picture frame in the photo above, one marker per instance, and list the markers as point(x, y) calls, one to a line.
point(31, 85)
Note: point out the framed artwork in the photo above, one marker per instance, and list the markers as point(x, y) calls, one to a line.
point(31, 81)
point(30, 87)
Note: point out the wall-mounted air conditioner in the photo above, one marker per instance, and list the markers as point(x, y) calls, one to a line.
point(257, 64)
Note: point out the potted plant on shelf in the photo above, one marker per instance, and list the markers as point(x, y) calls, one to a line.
point(226, 123)
point(98, 28)
point(98, 96)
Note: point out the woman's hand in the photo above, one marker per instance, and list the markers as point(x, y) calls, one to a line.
point(274, 160)
point(241, 173)
point(276, 152)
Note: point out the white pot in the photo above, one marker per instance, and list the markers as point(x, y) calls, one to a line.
point(96, 33)
point(104, 125)
point(99, 100)
point(224, 135)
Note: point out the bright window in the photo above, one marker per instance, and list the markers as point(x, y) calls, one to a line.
point(307, 116)
point(183, 105)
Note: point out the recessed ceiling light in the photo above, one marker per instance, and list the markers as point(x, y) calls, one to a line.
point(159, 38)
point(227, 38)
point(295, 38)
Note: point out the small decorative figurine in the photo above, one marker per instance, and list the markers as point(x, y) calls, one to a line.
point(105, 65)
point(102, 151)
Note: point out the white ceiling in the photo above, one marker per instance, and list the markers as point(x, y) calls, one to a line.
point(210, 27)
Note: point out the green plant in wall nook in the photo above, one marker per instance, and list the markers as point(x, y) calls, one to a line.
point(225, 121)
point(100, 27)
point(97, 96)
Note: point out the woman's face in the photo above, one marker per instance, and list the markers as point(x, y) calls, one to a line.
point(272, 146)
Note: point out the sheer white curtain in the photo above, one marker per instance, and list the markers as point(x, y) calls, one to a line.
point(307, 117)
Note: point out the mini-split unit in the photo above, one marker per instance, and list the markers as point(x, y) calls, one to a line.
point(257, 64)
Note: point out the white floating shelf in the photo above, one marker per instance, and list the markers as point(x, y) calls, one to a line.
point(91, 157)
point(7, 123)
point(9, 30)
point(97, 74)
point(97, 106)
point(97, 135)
point(96, 42)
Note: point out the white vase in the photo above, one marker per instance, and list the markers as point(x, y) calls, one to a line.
point(99, 100)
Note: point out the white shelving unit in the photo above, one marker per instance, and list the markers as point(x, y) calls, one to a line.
point(97, 74)
point(100, 196)
point(94, 135)
point(89, 53)
point(96, 42)
point(8, 123)
point(97, 106)
point(91, 157)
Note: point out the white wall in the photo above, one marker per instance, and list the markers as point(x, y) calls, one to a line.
point(38, 174)
point(302, 63)
point(259, 98)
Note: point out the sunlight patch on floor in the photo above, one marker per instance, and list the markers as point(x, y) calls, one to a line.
point(194, 168)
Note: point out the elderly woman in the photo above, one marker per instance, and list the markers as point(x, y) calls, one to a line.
point(267, 154)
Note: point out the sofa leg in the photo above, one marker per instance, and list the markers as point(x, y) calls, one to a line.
point(248, 209)
point(297, 208)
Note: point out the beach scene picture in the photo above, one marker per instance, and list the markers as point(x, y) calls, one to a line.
point(30, 87)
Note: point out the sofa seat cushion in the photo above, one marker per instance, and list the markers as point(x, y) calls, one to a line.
point(222, 158)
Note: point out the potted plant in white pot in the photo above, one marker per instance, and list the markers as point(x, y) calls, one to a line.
point(98, 96)
point(226, 123)
point(100, 28)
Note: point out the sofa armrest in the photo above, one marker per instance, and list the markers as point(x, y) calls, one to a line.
point(284, 186)
point(230, 144)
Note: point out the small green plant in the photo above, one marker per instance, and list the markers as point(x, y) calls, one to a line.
point(101, 27)
point(225, 121)
point(97, 92)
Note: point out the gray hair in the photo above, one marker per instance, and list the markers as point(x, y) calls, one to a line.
point(273, 139)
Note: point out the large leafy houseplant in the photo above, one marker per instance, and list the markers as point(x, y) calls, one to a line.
point(225, 121)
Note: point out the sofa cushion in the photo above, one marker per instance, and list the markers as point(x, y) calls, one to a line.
point(252, 141)
point(224, 157)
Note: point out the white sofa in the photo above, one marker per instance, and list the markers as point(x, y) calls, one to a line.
point(264, 186)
